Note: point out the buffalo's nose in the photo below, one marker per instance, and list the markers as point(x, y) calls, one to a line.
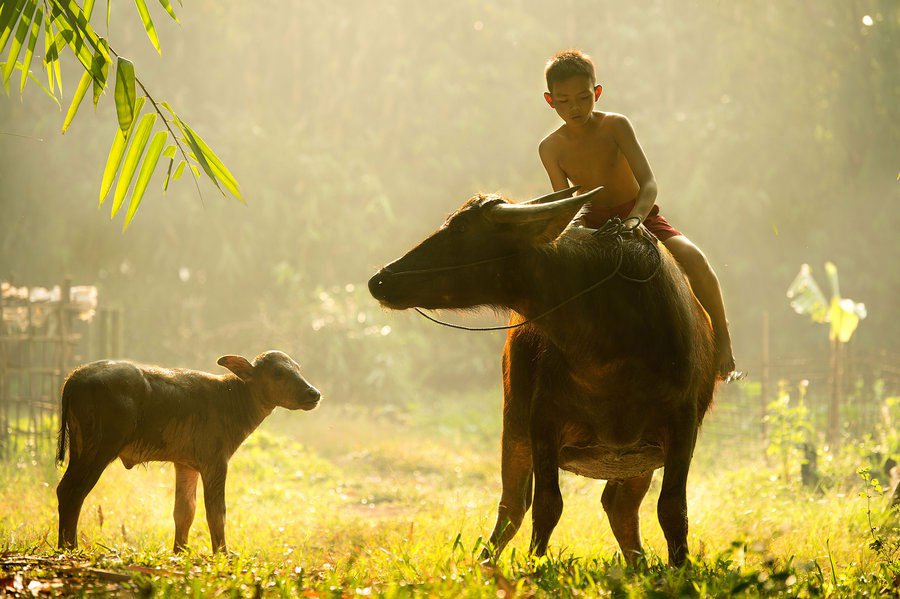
point(376, 285)
point(313, 394)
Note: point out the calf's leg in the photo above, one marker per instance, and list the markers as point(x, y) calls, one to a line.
point(81, 475)
point(621, 501)
point(185, 504)
point(214, 499)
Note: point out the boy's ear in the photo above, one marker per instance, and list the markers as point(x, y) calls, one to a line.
point(598, 89)
point(549, 99)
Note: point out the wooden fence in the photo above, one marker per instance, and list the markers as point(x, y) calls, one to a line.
point(43, 335)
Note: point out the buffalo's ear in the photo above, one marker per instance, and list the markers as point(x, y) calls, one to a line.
point(238, 365)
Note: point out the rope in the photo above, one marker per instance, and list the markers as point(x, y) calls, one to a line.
point(614, 228)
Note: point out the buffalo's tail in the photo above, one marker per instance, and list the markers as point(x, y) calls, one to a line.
point(63, 437)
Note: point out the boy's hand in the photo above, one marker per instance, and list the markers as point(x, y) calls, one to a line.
point(632, 225)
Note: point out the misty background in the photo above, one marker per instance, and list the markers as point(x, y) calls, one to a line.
point(355, 128)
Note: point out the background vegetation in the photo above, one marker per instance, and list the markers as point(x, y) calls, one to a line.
point(354, 128)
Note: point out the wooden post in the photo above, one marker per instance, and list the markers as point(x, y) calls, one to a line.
point(764, 382)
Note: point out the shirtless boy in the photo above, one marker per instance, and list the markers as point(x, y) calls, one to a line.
point(594, 149)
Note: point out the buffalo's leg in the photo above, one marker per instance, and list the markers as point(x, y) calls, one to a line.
point(81, 475)
point(548, 503)
point(214, 499)
point(516, 497)
point(621, 501)
point(185, 504)
point(519, 357)
point(672, 506)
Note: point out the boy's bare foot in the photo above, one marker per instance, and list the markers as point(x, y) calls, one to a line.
point(726, 371)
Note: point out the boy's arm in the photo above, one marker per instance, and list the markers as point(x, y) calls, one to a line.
point(558, 178)
point(634, 154)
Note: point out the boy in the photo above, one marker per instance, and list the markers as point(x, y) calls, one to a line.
point(594, 149)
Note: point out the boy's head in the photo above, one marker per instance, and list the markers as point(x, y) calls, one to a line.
point(571, 81)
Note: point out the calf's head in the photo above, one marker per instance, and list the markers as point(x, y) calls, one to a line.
point(276, 378)
point(468, 261)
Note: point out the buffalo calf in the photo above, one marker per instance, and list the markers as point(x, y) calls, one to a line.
point(196, 420)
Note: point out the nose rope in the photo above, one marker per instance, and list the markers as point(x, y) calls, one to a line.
point(614, 228)
point(446, 268)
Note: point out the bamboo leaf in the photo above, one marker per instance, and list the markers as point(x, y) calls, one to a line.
point(169, 152)
point(179, 170)
point(71, 37)
point(88, 8)
point(168, 6)
point(132, 156)
point(148, 23)
point(116, 152)
point(108, 2)
point(83, 86)
point(32, 42)
point(100, 70)
point(20, 67)
point(125, 94)
point(147, 167)
point(219, 168)
point(9, 14)
point(197, 155)
point(18, 41)
point(48, 45)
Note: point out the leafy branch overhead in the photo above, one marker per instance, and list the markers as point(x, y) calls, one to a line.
point(136, 148)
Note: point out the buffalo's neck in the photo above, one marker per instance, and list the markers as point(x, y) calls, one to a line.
point(599, 325)
point(242, 411)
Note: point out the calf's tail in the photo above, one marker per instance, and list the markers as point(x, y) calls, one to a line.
point(62, 438)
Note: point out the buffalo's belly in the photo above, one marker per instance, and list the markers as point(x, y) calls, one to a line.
point(140, 451)
point(611, 463)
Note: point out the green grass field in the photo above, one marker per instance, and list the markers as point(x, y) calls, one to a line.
point(397, 502)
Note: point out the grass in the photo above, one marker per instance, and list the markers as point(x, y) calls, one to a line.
point(397, 502)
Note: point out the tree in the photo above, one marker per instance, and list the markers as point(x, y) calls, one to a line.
point(65, 24)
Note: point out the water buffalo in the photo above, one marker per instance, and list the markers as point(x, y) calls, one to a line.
point(197, 420)
point(612, 385)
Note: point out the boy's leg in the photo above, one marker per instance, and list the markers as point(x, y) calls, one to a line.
point(705, 285)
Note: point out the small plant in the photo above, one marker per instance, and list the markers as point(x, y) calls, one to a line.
point(789, 429)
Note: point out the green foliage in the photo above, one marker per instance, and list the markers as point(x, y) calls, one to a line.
point(94, 53)
point(363, 502)
point(788, 429)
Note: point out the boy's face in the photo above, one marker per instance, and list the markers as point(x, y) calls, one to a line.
point(573, 99)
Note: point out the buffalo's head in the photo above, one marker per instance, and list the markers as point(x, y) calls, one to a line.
point(471, 259)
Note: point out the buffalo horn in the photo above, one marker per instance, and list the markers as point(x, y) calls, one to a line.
point(552, 197)
point(522, 213)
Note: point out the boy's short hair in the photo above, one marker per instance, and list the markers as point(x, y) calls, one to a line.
point(568, 63)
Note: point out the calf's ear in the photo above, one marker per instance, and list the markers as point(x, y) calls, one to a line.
point(238, 365)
